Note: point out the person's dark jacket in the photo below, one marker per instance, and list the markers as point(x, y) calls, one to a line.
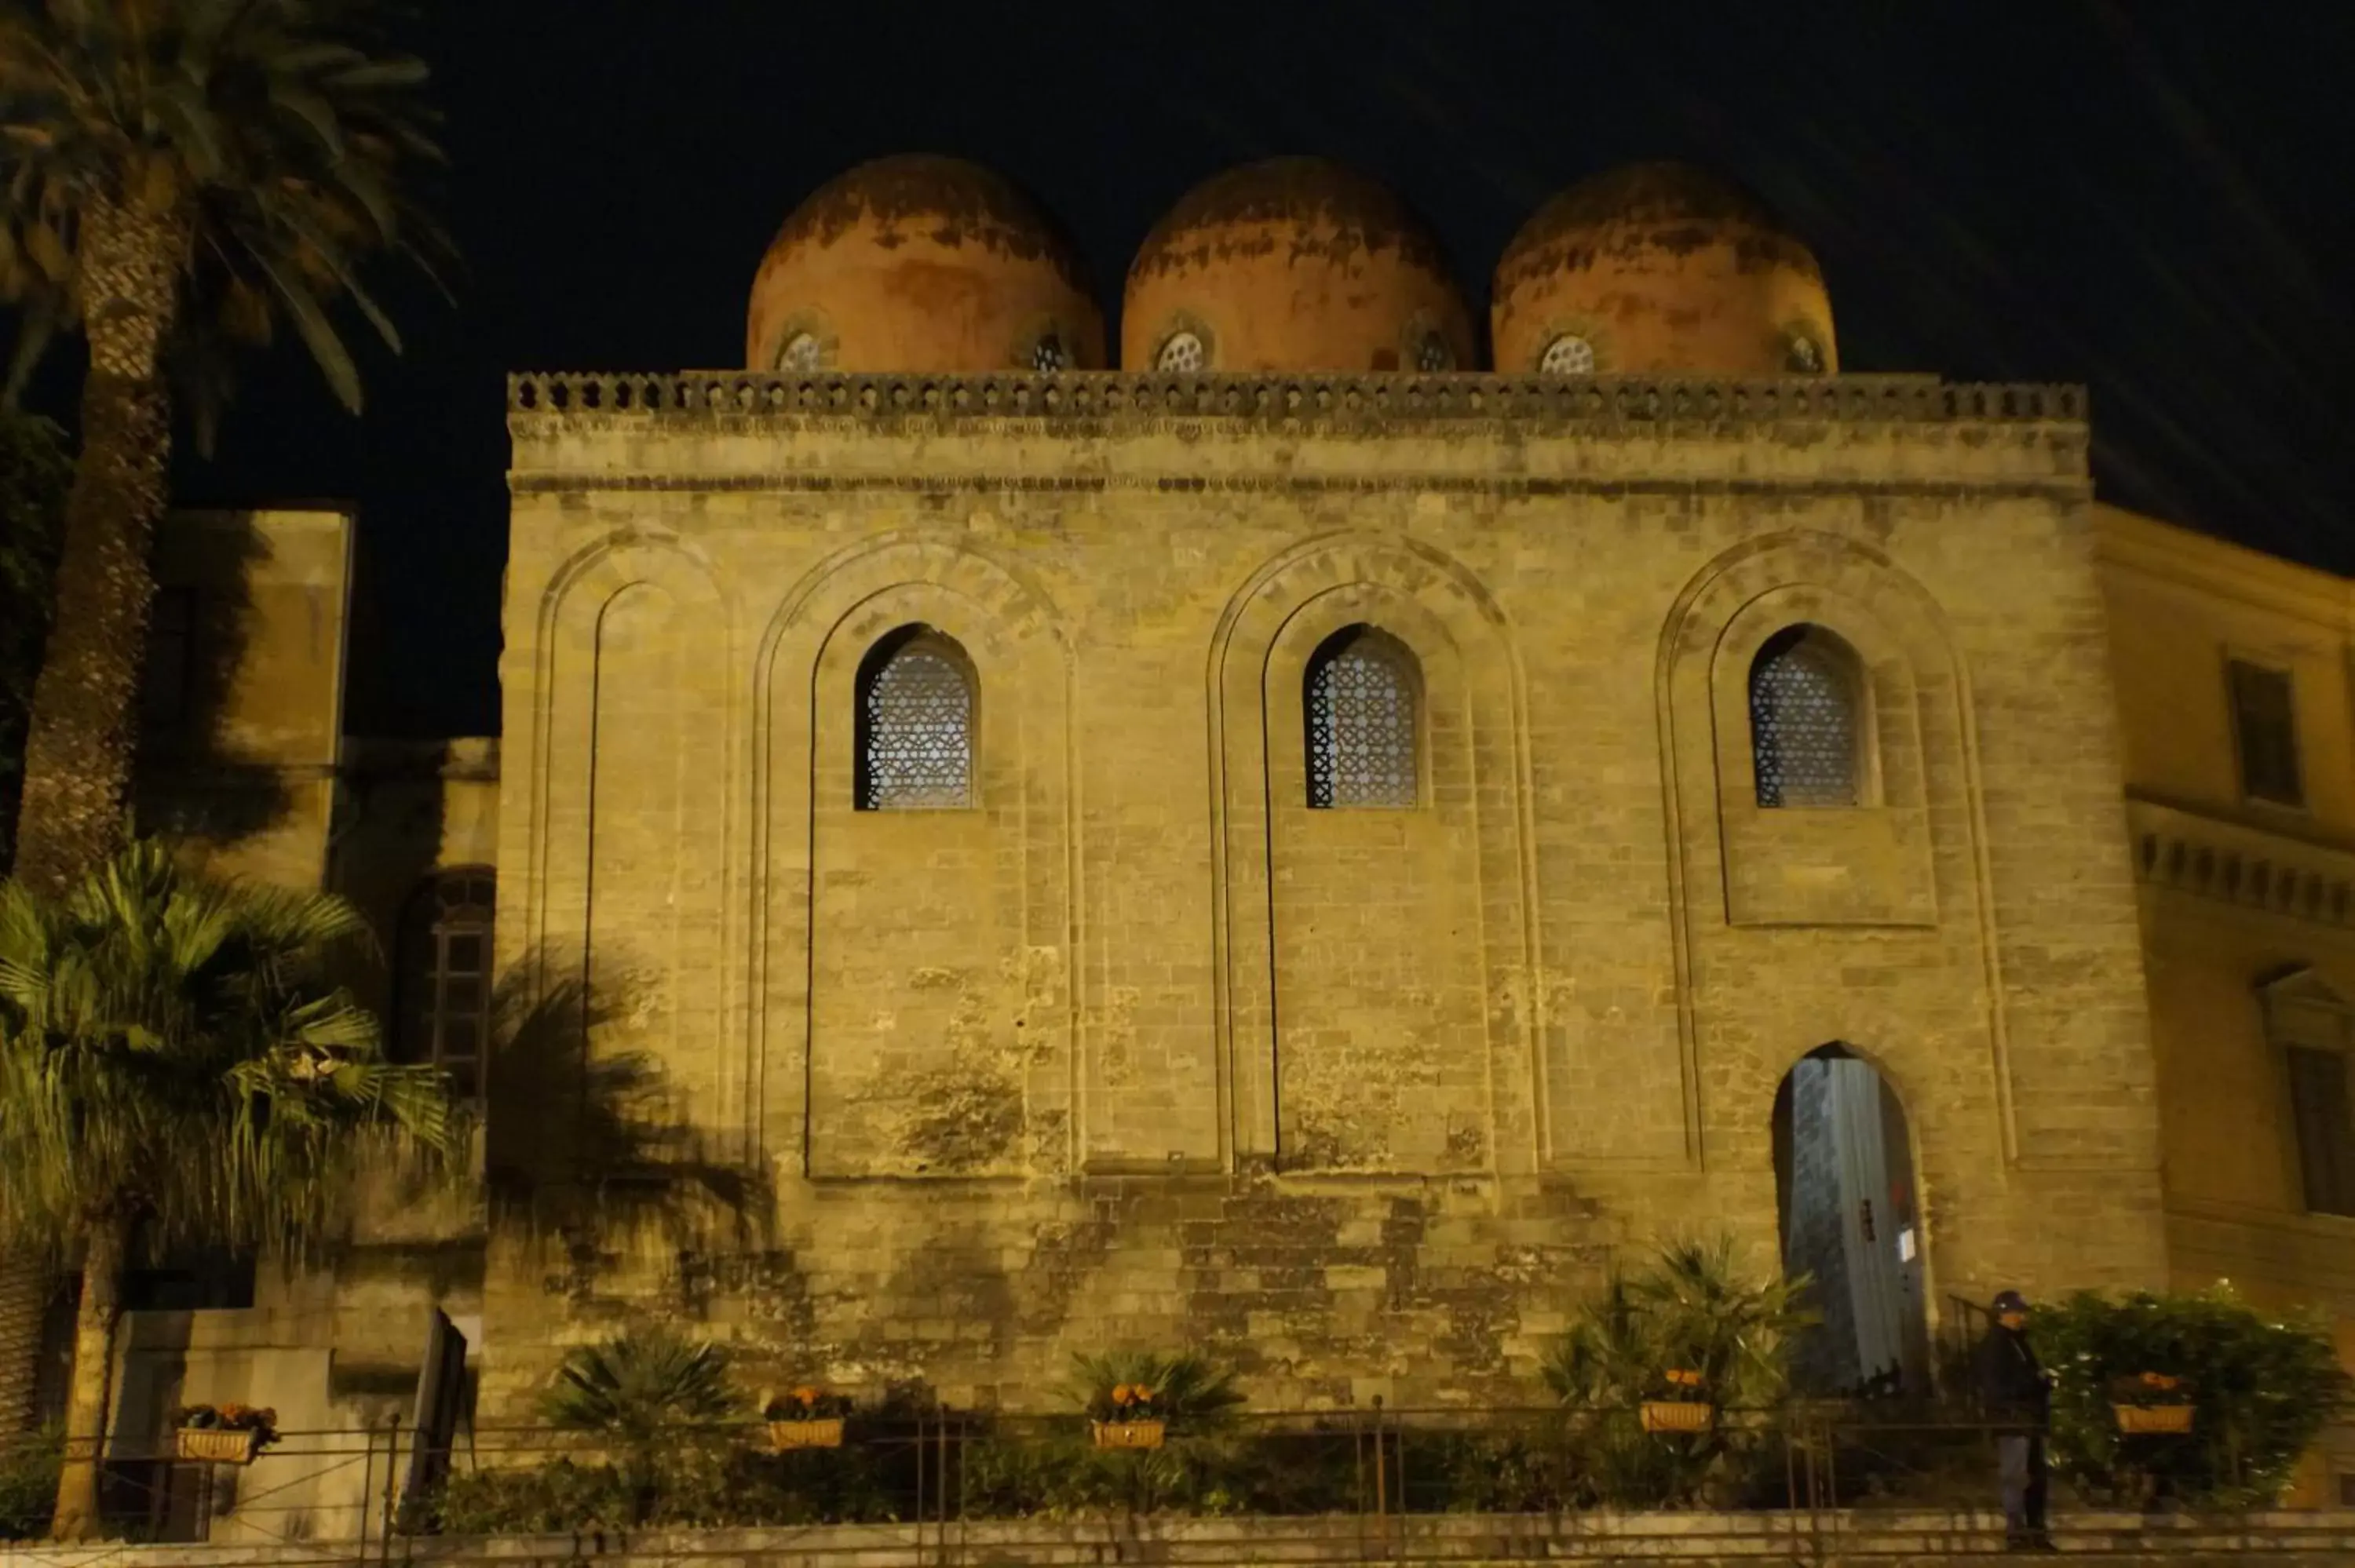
point(2011, 1383)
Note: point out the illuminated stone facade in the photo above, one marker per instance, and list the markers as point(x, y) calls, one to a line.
point(1308, 861)
point(1139, 1048)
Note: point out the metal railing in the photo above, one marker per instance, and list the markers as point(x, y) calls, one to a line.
point(1818, 1470)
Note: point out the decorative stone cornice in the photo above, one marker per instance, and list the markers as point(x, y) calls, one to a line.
point(1320, 399)
point(2232, 863)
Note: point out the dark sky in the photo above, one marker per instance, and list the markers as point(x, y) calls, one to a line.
point(2150, 197)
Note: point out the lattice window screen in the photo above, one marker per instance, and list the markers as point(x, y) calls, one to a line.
point(445, 982)
point(1362, 749)
point(1803, 722)
point(915, 748)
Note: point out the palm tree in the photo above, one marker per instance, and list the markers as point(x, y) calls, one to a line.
point(182, 176)
point(173, 1066)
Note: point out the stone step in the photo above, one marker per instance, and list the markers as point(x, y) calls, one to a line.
point(1339, 1540)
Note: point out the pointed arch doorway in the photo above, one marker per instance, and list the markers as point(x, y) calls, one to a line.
point(1849, 1218)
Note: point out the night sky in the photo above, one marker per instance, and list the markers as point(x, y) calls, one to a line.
point(2147, 197)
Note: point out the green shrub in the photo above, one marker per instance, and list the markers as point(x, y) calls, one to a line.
point(29, 1483)
point(711, 1483)
point(2261, 1391)
point(556, 1498)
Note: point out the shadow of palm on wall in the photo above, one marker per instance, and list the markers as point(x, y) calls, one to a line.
point(584, 1139)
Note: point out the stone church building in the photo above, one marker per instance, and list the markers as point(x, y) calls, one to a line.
point(1308, 844)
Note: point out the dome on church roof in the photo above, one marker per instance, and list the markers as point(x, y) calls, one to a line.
point(1660, 268)
point(922, 263)
point(1293, 264)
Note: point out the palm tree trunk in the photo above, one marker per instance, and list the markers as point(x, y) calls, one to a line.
point(79, 747)
point(86, 1407)
point(23, 1312)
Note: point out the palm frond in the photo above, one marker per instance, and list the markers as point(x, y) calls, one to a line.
point(636, 1384)
point(171, 1048)
point(277, 145)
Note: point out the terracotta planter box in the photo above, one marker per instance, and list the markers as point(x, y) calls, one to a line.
point(789, 1435)
point(2140, 1419)
point(216, 1445)
point(1676, 1416)
point(1127, 1433)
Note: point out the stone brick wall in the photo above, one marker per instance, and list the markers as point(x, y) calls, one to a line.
point(1141, 1050)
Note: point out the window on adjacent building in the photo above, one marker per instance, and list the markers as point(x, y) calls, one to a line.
point(2311, 1025)
point(915, 724)
point(443, 991)
point(2264, 723)
point(2326, 1138)
point(1806, 720)
point(1360, 699)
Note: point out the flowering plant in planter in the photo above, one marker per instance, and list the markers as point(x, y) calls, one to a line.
point(2151, 1402)
point(1681, 1385)
point(1678, 1402)
point(1134, 1401)
point(804, 1403)
point(805, 1417)
point(2150, 1389)
point(224, 1434)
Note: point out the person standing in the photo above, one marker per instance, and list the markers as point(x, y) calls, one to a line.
point(2015, 1392)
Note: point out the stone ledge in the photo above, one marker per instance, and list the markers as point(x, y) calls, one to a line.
point(2211, 857)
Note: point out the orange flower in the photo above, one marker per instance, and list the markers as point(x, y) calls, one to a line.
point(806, 1397)
point(1121, 1393)
point(1143, 1394)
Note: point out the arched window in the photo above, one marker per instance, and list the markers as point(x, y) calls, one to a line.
point(1806, 692)
point(443, 987)
point(1360, 698)
point(915, 724)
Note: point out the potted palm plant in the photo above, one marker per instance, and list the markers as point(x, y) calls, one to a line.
point(2151, 1404)
point(646, 1392)
point(1655, 1359)
point(1135, 1401)
point(805, 1418)
point(222, 1434)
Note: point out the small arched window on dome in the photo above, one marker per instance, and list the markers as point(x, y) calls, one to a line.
point(1569, 354)
point(1807, 692)
point(1360, 701)
point(1048, 354)
point(801, 353)
point(1182, 351)
point(1432, 356)
point(915, 725)
point(442, 981)
point(1803, 352)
